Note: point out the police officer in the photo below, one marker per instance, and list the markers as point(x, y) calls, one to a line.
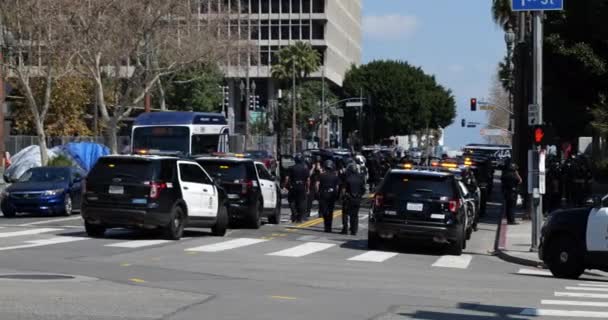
point(298, 183)
point(510, 180)
point(315, 174)
point(353, 190)
point(328, 186)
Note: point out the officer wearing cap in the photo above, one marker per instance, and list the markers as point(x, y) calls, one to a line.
point(298, 184)
point(353, 189)
point(328, 186)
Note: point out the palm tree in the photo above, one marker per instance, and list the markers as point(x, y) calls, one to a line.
point(299, 58)
point(502, 13)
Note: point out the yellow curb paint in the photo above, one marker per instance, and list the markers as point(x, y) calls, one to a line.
point(314, 222)
point(137, 280)
point(283, 298)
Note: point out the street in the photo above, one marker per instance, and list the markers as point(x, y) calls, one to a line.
point(276, 272)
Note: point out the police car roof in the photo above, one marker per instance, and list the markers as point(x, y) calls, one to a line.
point(225, 158)
point(487, 146)
point(422, 172)
point(142, 157)
point(179, 118)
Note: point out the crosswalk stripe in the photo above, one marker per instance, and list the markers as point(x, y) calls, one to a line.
point(137, 243)
point(575, 303)
point(593, 285)
point(582, 295)
point(27, 232)
point(45, 242)
point(226, 245)
point(563, 313)
point(533, 272)
point(303, 249)
point(587, 289)
point(456, 262)
point(373, 256)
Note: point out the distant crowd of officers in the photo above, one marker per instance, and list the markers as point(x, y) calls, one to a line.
point(569, 182)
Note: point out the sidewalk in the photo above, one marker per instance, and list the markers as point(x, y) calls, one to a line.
point(515, 242)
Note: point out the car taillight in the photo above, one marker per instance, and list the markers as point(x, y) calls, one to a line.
point(156, 188)
point(246, 185)
point(379, 200)
point(454, 205)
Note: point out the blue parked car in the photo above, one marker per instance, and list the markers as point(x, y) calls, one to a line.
point(47, 190)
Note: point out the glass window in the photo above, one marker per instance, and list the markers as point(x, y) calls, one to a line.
point(295, 32)
point(318, 6)
point(285, 6)
point(46, 175)
point(285, 32)
point(305, 32)
point(318, 30)
point(229, 171)
point(192, 173)
point(463, 189)
point(295, 6)
point(263, 173)
point(132, 170)
point(265, 6)
point(275, 6)
point(274, 33)
point(305, 6)
point(255, 6)
point(205, 143)
point(163, 138)
point(264, 33)
point(403, 186)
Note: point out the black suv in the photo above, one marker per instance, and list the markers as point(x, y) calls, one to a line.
point(421, 205)
point(251, 191)
point(152, 192)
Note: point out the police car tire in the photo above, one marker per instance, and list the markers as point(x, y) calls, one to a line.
point(275, 218)
point(564, 257)
point(94, 231)
point(373, 241)
point(175, 229)
point(219, 229)
point(254, 219)
point(8, 213)
point(455, 248)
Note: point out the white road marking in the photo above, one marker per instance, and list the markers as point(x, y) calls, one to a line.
point(363, 217)
point(587, 289)
point(582, 295)
point(593, 285)
point(45, 242)
point(227, 245)
point(50, 221)
point(303, 249)
point(27, 232)
point(563, 313)
point(137, 243)
point(575, 303)
point(314, 213)
point(374, 256)
point(457, 262)
point(533, 272)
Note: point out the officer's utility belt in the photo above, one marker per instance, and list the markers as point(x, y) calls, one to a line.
point(298, 182)
point(329, 190)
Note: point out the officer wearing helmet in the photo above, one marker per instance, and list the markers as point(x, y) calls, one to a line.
point(298, 184)
point(353, 189)
point(315, 174)
point(328, 186)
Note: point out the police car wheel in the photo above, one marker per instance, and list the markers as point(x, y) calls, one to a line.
point(254, 220)
point(275, 218)
point(564, 257)
point(373, 241)
point(219, 229)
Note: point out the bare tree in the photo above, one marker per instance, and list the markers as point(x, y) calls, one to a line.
point(39, 52)
point(127, 46)
point(499, 117)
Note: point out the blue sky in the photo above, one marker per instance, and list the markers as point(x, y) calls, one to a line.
point(456, 41)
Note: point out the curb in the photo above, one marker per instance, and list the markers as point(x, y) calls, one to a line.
point(503, 255)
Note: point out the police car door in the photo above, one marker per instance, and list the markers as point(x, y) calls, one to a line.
point(267, 185)
point(191, 187)
point(597, 229)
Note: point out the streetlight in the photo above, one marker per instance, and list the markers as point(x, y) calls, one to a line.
point(6, 40)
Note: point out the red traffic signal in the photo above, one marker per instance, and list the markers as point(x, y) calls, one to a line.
point(311, 122)
point(539, 134)
point(542, 135)
point(473, 104)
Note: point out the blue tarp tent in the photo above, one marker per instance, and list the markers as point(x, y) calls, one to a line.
point(85, 154)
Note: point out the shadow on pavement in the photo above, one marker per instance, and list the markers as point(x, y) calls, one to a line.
point(399, 247)
point(483, 312)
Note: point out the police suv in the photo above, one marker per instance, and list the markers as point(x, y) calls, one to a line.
point(573, 240)
point(151, 192)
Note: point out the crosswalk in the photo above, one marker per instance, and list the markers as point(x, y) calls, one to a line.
point(588, 299)
point(303, 247)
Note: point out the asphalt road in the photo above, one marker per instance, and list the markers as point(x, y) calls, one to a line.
point(276, 272)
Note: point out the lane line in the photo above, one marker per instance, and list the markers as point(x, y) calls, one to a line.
point(45, 242)
point(374, 256)
point(593, 285)
point(302, 250)
point(313, 222)
point(587, 289)
point(137, 243)
point(283, 298)
point(533, 272)
point(27, 232)
point(50, 221)
point(582, 295)
point(575, 303)
point(563, 313)
point(137, 280)
point(226, 245)
point(456, 262)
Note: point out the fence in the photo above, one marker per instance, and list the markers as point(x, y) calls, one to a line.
point(14, 144)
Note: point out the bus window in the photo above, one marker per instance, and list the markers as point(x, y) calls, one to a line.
point(205, 143)
point(165, 138)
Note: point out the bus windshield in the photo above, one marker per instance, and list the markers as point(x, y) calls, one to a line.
point(164, 138)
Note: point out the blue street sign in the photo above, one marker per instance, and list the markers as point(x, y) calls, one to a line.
point(537, 5)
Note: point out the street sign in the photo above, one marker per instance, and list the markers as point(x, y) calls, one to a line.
point(533, 114)
point(537, 5)
point(354, 104)
point(471, 125)
point(487, 108)
point(494, 132)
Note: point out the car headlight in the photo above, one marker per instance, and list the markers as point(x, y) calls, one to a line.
point(53, 192)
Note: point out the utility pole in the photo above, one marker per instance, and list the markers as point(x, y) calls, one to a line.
point(293, 110)
point(2, 96)
point(536, 205)
point(147, 98)
point(323, 128)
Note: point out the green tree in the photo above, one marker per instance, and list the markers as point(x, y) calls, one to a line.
point(502, 14)
point(402, 99)
point(196, 89)
point(299, 58)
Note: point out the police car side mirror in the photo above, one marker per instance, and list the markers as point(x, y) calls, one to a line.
point(597, 202)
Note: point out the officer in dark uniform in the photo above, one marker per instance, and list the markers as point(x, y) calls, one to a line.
point(298, 183)
point(315, 174)
point(328, 186)
point(353, 191)
point(510, 180)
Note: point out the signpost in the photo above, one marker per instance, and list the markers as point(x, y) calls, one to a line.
point(354, 104)
point(533, 114)
point(537, 5)
point(494, 132)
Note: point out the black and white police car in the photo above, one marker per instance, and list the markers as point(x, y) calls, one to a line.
point(252, 192)
point(573, 240)
point(152, 192)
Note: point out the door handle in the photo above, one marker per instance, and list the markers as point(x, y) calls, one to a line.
point(185, 188)
point(204, 190)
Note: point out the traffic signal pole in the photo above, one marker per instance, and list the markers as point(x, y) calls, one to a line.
point(536, 205)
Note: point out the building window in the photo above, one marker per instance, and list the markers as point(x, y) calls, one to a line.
point(295, 6)
point(264, 33)
point(305, 6)
point(285, 32)
point(255, 6)
point(265, 6)
point(318, 30)
point(285, 6)
point(305, 32)
point(295, 32)
point(274, 32)
point(275, 6)
point(255, 32)
point(318, 6)
point(264, 56)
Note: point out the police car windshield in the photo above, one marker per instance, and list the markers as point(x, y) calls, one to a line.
point(229, 171)
point(404, 185)
point(162, 138)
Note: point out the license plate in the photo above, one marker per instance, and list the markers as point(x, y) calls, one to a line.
point(390, 212)
point(116, 190)
point(438, 216)
point(415, 206)
point(233, 196)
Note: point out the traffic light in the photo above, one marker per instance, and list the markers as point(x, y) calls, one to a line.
point(311, 122)
point(463, 123)
point(473, 104)
point(542, 135)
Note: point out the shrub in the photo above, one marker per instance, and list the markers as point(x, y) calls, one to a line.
point(61, 161)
